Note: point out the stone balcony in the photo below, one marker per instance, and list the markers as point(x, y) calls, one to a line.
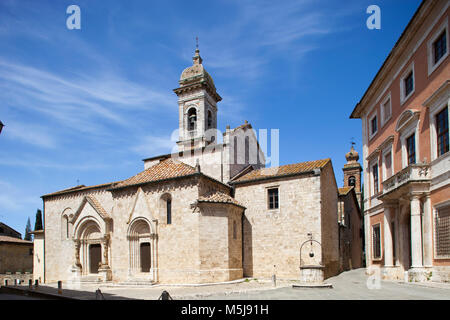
point(418, 174)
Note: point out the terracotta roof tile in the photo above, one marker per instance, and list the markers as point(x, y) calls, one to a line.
point(219, 197)
point(98, 207)
point(14, 240)
point(166, 169)
point(281, 171)
point(78, 188)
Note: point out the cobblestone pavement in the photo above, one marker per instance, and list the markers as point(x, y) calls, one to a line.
point(347, 285)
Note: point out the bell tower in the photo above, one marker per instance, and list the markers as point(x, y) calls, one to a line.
point(197, 104)
point(352, 172)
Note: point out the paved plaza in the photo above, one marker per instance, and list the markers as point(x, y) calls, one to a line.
point(348, 285)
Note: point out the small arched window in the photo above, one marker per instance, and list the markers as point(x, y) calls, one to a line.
point(209, 119)
point(169, 211)
point(352, 181)
point(166, 208)
point(192, 119)
point(64, 227)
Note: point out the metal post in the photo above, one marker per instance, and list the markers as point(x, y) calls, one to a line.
point(274, 280)
point(6, 282)
point(36, 283)
point(30, 283)
point(59, 287)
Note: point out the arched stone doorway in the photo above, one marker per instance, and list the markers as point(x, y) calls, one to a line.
point(142, 250)
point(91, 250)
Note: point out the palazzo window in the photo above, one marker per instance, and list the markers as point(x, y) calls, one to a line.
point(375, 178)
point(442, 132)
point(442, 231)
point(273, 198)
point(411, 149)
point(409, 84)
point(373, 126)
point(440, 47)
point(376, 241)
point(388, 165)
point(386, 110)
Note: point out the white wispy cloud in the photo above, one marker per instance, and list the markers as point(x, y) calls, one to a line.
point(78, 101)
point(36, 135)
point(155, 144)
point(14, 199)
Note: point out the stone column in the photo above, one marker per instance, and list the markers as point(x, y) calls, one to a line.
point(427, 232)
point(368, 242)
point(388, 253)
point(416, 233)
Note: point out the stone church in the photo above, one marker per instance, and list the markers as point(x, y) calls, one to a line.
point(210, 212)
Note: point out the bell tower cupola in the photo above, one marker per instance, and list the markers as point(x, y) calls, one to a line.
point(197, 104)
point(352, 172)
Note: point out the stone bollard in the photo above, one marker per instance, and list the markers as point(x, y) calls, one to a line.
point(274, 280)
point(165, 296)
point(99, 295)
point(59, 287)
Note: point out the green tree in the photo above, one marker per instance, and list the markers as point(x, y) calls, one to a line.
point(38, 223)
point(28, 230)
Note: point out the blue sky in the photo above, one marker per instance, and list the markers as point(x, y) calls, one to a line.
point(88, 105)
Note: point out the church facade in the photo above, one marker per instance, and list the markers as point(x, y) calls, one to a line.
point(209, 213)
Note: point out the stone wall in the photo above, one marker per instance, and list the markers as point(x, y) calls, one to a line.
point(175, 247)
point(272, 238)
point(220, 252)
point(60, 250)
point(329, 221)
point(16, 257)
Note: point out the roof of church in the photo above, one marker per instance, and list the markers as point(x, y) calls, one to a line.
point(166, 169)
point(80, 187)
point(219, 197)
point(14, 240)
point(281, 171)
point(344, 190)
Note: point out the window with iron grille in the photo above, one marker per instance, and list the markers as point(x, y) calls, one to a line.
point(409, 84)
point(442, 131)
point(440, 47)
point(442, 232)
point(273, 198)
point(411, 149)
point(376, 245)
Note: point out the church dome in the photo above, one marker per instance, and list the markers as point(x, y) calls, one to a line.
point(196, 72)
point(352, 155)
